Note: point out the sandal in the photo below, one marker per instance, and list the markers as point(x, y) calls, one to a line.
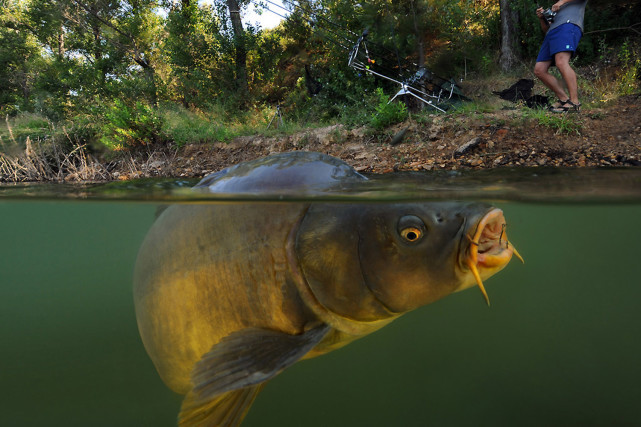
point(561, 107)
point(574, 108)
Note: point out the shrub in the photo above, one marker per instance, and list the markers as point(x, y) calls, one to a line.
point(630, 66)
point(387, 113)
point(130, 127)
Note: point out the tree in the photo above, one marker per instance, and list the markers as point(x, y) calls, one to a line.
point(194, 51)
point(101, 49)
point(509, 25)
point(129, 28)
point(18, 52)
point(239, 45)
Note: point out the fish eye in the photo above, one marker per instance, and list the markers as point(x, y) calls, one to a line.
point(411, 228)
point(411, 234)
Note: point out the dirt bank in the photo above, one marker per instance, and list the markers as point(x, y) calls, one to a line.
point(609, 136)
point(512, 137)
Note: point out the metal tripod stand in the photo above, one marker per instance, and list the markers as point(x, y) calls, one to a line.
point(276, 114)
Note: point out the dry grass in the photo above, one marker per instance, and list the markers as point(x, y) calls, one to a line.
point(50, 161)
point(149, 164)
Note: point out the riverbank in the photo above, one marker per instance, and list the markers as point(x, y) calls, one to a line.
point(608, 136)
point(514, 136)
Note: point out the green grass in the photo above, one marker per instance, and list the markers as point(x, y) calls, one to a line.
point(185, 127)
point(23, 126)
point(182, 126)
point(560, 123)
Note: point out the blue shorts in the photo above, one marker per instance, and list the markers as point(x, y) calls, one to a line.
point(564, 38)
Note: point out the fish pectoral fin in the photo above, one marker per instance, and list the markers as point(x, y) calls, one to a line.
point(248, 357)
point(228, 377)
point(227, 409)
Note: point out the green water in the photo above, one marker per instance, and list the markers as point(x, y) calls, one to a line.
point(559, 346)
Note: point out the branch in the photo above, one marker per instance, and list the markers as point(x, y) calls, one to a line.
point(104, 21)
point(631, 27)
point(137, 55)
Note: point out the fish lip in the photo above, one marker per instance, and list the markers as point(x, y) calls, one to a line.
point(485, 251)
point(488, 246)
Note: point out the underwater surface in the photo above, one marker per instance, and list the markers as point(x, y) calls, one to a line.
point(559, 345)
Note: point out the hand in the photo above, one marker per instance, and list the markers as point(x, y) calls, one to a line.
point(556, 6)
point(539, 12)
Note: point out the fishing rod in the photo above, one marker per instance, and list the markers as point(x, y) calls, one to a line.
point(316, 28)
point(308, 20)
point(366, 64)
point(406, 88)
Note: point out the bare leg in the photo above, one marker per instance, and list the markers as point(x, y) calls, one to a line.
point(541, 70)
point(562, 60)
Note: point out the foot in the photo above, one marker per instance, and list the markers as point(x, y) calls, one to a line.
point(561, 106)
point(573, 107)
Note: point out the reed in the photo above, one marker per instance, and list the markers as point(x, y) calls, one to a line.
point(49, 161)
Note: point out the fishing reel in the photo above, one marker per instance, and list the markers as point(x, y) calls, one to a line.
point(549, 15)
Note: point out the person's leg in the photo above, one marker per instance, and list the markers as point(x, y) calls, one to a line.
point(562, 60)
point(541, 70)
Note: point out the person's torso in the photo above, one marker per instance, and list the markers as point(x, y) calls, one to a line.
point(571, 13)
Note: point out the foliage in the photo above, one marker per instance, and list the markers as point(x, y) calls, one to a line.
point(18, 59)
point(51, 161)
point(630, 69)
point(195, 53)
point(128, 127)
point(387, 113)
point(27, 126)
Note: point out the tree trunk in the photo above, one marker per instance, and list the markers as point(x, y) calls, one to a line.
point(420, 47)
point(186, 84)
point(509, 20)
point(239, 43)
point(61, 42)
point(420, 39)
point(150, 76)
point(97, 50)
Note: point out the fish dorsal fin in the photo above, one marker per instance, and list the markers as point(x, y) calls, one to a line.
point(228, 377)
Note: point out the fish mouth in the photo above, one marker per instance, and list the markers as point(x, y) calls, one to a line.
point(489, 250)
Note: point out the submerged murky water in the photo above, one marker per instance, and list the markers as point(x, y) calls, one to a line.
point(559, 346)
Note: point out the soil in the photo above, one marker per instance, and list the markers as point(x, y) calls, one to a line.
point(609, 136)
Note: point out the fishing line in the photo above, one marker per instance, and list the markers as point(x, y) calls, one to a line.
point(321, 17)
point(280, 6)
point(303, 16)
point(277, 5)
point(315, 27)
